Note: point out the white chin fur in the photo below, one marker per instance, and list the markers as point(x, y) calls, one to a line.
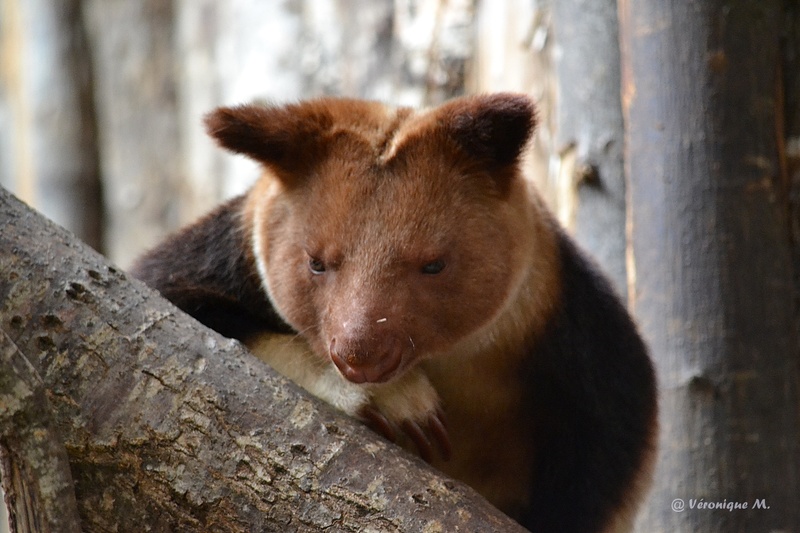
point(291, 356)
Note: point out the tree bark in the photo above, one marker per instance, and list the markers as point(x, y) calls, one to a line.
point(33, 462)
point(710, 234)
point(589, 131)
point(169, 424)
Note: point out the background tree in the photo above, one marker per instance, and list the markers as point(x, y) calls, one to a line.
point(711, 251)
point(48, 146)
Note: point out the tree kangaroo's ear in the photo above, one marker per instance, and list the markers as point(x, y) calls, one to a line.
point(284, 138)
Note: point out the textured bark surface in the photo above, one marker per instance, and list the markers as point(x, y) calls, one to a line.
point(33, 462)
point(166, 423)
point(711, 259)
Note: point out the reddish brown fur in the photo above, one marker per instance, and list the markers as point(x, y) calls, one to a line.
point(515, 326)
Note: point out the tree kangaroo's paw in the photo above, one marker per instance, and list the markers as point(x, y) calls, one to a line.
point(408, 412)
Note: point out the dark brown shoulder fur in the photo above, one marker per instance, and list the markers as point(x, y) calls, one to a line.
point(591, 395)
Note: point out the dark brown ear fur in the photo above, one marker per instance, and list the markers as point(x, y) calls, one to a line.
point(282, 137)
point(494, 128)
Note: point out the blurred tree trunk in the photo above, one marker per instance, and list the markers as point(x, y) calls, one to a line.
point(789, 138)
point(47, 129)
point(136, 101)
point(711, 249)
point(589, 131)
point(166, 423)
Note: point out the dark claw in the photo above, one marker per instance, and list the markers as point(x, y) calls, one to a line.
point(433, 434)
point(438, 427)
point(424, 446)
point(378, 423)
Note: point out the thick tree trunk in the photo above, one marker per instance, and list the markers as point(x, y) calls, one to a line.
point(589, 131)
point(789, 136)
point(711, 260)
point(168, 424)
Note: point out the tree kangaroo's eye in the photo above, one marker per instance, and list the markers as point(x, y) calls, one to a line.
point(316, 266)
point(434, 267)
